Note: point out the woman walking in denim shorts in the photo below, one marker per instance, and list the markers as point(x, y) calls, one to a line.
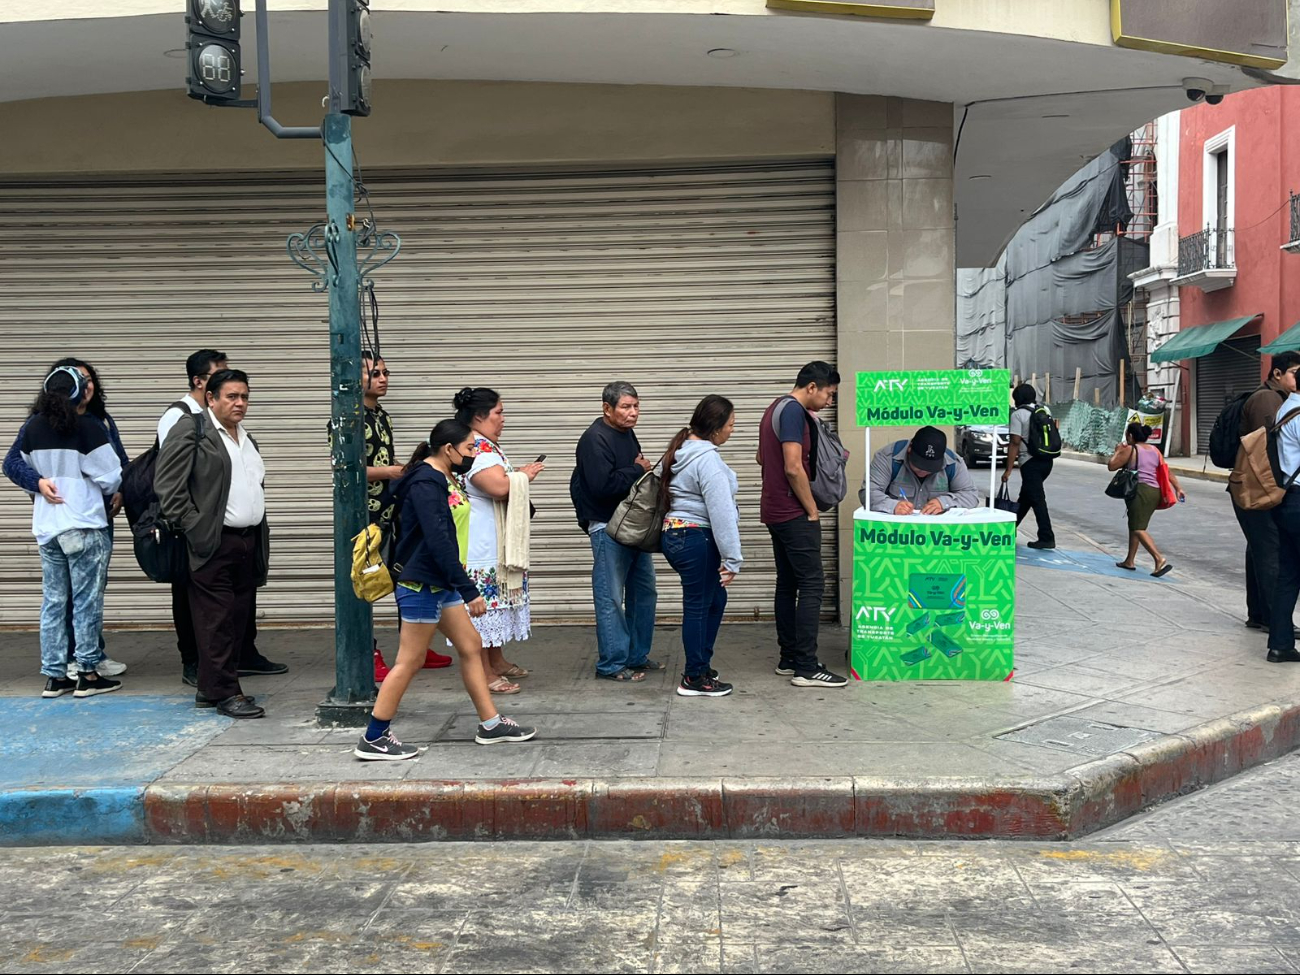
point(701, 536)
point(431, 528)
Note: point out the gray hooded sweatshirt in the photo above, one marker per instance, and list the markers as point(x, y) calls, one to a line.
point(703, 491)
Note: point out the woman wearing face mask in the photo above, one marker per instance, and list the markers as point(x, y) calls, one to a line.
point(431, 530)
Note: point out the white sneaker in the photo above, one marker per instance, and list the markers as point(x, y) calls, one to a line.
point(108, 667)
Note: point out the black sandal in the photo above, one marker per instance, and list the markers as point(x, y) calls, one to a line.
point(622, 676)
point(1129, 568)
point(1163, 570)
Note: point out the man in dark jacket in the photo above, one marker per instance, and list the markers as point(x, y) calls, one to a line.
point(609, 462)
point(208, 479)
point(1258, 526)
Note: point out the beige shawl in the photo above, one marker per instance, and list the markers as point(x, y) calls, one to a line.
point(512, 534)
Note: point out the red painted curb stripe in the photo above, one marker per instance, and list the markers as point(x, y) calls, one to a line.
point(1079, 801)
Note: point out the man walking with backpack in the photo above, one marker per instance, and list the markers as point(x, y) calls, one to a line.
point(1032, 425)
point(792, 517)
point(1258, 411)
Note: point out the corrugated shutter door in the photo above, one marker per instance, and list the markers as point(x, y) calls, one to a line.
point(543, 285)
point(1222, 376)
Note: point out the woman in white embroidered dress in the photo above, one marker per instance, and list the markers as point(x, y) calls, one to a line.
point(487, 483)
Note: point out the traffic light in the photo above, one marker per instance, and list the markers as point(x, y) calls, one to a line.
point(356, 94)
point(212, 49)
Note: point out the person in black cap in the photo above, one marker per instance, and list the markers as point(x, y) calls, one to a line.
point(920, 476)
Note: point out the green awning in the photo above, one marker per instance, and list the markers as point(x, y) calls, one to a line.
point(1288, 341)
point(1192, 343)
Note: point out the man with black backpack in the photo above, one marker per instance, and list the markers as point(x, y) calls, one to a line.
point(1254, 412)
point(792, 513)
point(1033, 427)
point(199, 367)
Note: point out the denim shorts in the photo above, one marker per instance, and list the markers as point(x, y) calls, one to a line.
point(425, 605)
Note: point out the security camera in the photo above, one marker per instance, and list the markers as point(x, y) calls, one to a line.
point(1213, 99)
point(1198, 88)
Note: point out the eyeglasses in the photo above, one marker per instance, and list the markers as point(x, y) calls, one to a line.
point(376, 373)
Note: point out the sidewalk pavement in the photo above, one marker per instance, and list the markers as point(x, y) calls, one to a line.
point(1127, 691)
point(1197, 468)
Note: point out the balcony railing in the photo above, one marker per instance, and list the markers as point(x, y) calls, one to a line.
point(1208, 250)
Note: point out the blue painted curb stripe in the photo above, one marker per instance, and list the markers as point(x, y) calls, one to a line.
point(100, 816)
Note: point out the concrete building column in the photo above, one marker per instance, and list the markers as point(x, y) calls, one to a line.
point(896, 254)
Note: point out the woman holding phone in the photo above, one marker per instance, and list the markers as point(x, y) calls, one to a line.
point(491, 490)
point(434, 593)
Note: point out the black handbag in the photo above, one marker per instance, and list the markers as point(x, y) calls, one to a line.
point(1004, 502)
point(1124, 484)
point(160, 551)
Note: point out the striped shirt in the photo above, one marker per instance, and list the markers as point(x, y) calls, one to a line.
point(83, 466)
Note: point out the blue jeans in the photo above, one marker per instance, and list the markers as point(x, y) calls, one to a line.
point(76, 571)
point(693, 553)
point(424, 605)
point(623, 588)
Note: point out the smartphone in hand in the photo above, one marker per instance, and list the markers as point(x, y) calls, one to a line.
point(540, 458)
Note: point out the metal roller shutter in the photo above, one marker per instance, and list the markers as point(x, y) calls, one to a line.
point(1222, 376)
point(544, 285)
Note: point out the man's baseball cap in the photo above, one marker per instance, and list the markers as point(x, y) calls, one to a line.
point(928, 447)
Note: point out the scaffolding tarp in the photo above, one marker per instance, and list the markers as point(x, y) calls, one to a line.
point(1063, 296)
point(982, 311)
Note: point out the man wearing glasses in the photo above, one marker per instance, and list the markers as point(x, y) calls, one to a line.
point(382, 467)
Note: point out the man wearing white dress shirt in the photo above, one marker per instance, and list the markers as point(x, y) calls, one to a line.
point(209, 480)
point(1281, 635)
point(199, 367)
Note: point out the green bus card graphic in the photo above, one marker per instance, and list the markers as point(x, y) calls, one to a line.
point(933, 590)
point(933, 600)
point(939, 397)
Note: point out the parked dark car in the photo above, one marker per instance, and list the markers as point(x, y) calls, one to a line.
point(975, 444)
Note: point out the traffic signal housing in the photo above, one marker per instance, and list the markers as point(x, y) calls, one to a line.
point(356, 94)
point(212, 50)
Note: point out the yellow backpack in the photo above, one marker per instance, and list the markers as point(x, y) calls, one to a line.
point(371, 579)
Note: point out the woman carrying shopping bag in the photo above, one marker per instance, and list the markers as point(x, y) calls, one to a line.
point(1137, 455)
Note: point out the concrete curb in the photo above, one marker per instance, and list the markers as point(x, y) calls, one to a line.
point(1074, 803)
point(1195, 473)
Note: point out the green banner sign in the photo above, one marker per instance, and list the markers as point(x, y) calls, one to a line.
point(934, 598)
point(939, 397)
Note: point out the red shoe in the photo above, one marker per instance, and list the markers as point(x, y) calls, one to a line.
point(381, 668)
point(436, 661)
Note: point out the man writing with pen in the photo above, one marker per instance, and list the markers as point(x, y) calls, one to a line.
point(920, 476)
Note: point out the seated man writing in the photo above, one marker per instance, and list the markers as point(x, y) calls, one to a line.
point(922, 475)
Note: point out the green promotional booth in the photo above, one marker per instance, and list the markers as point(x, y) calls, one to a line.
point(933, 595)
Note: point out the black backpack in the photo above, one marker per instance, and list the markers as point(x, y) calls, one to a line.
point(160, 549)
point(1044, 438)
point(1225, 436)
